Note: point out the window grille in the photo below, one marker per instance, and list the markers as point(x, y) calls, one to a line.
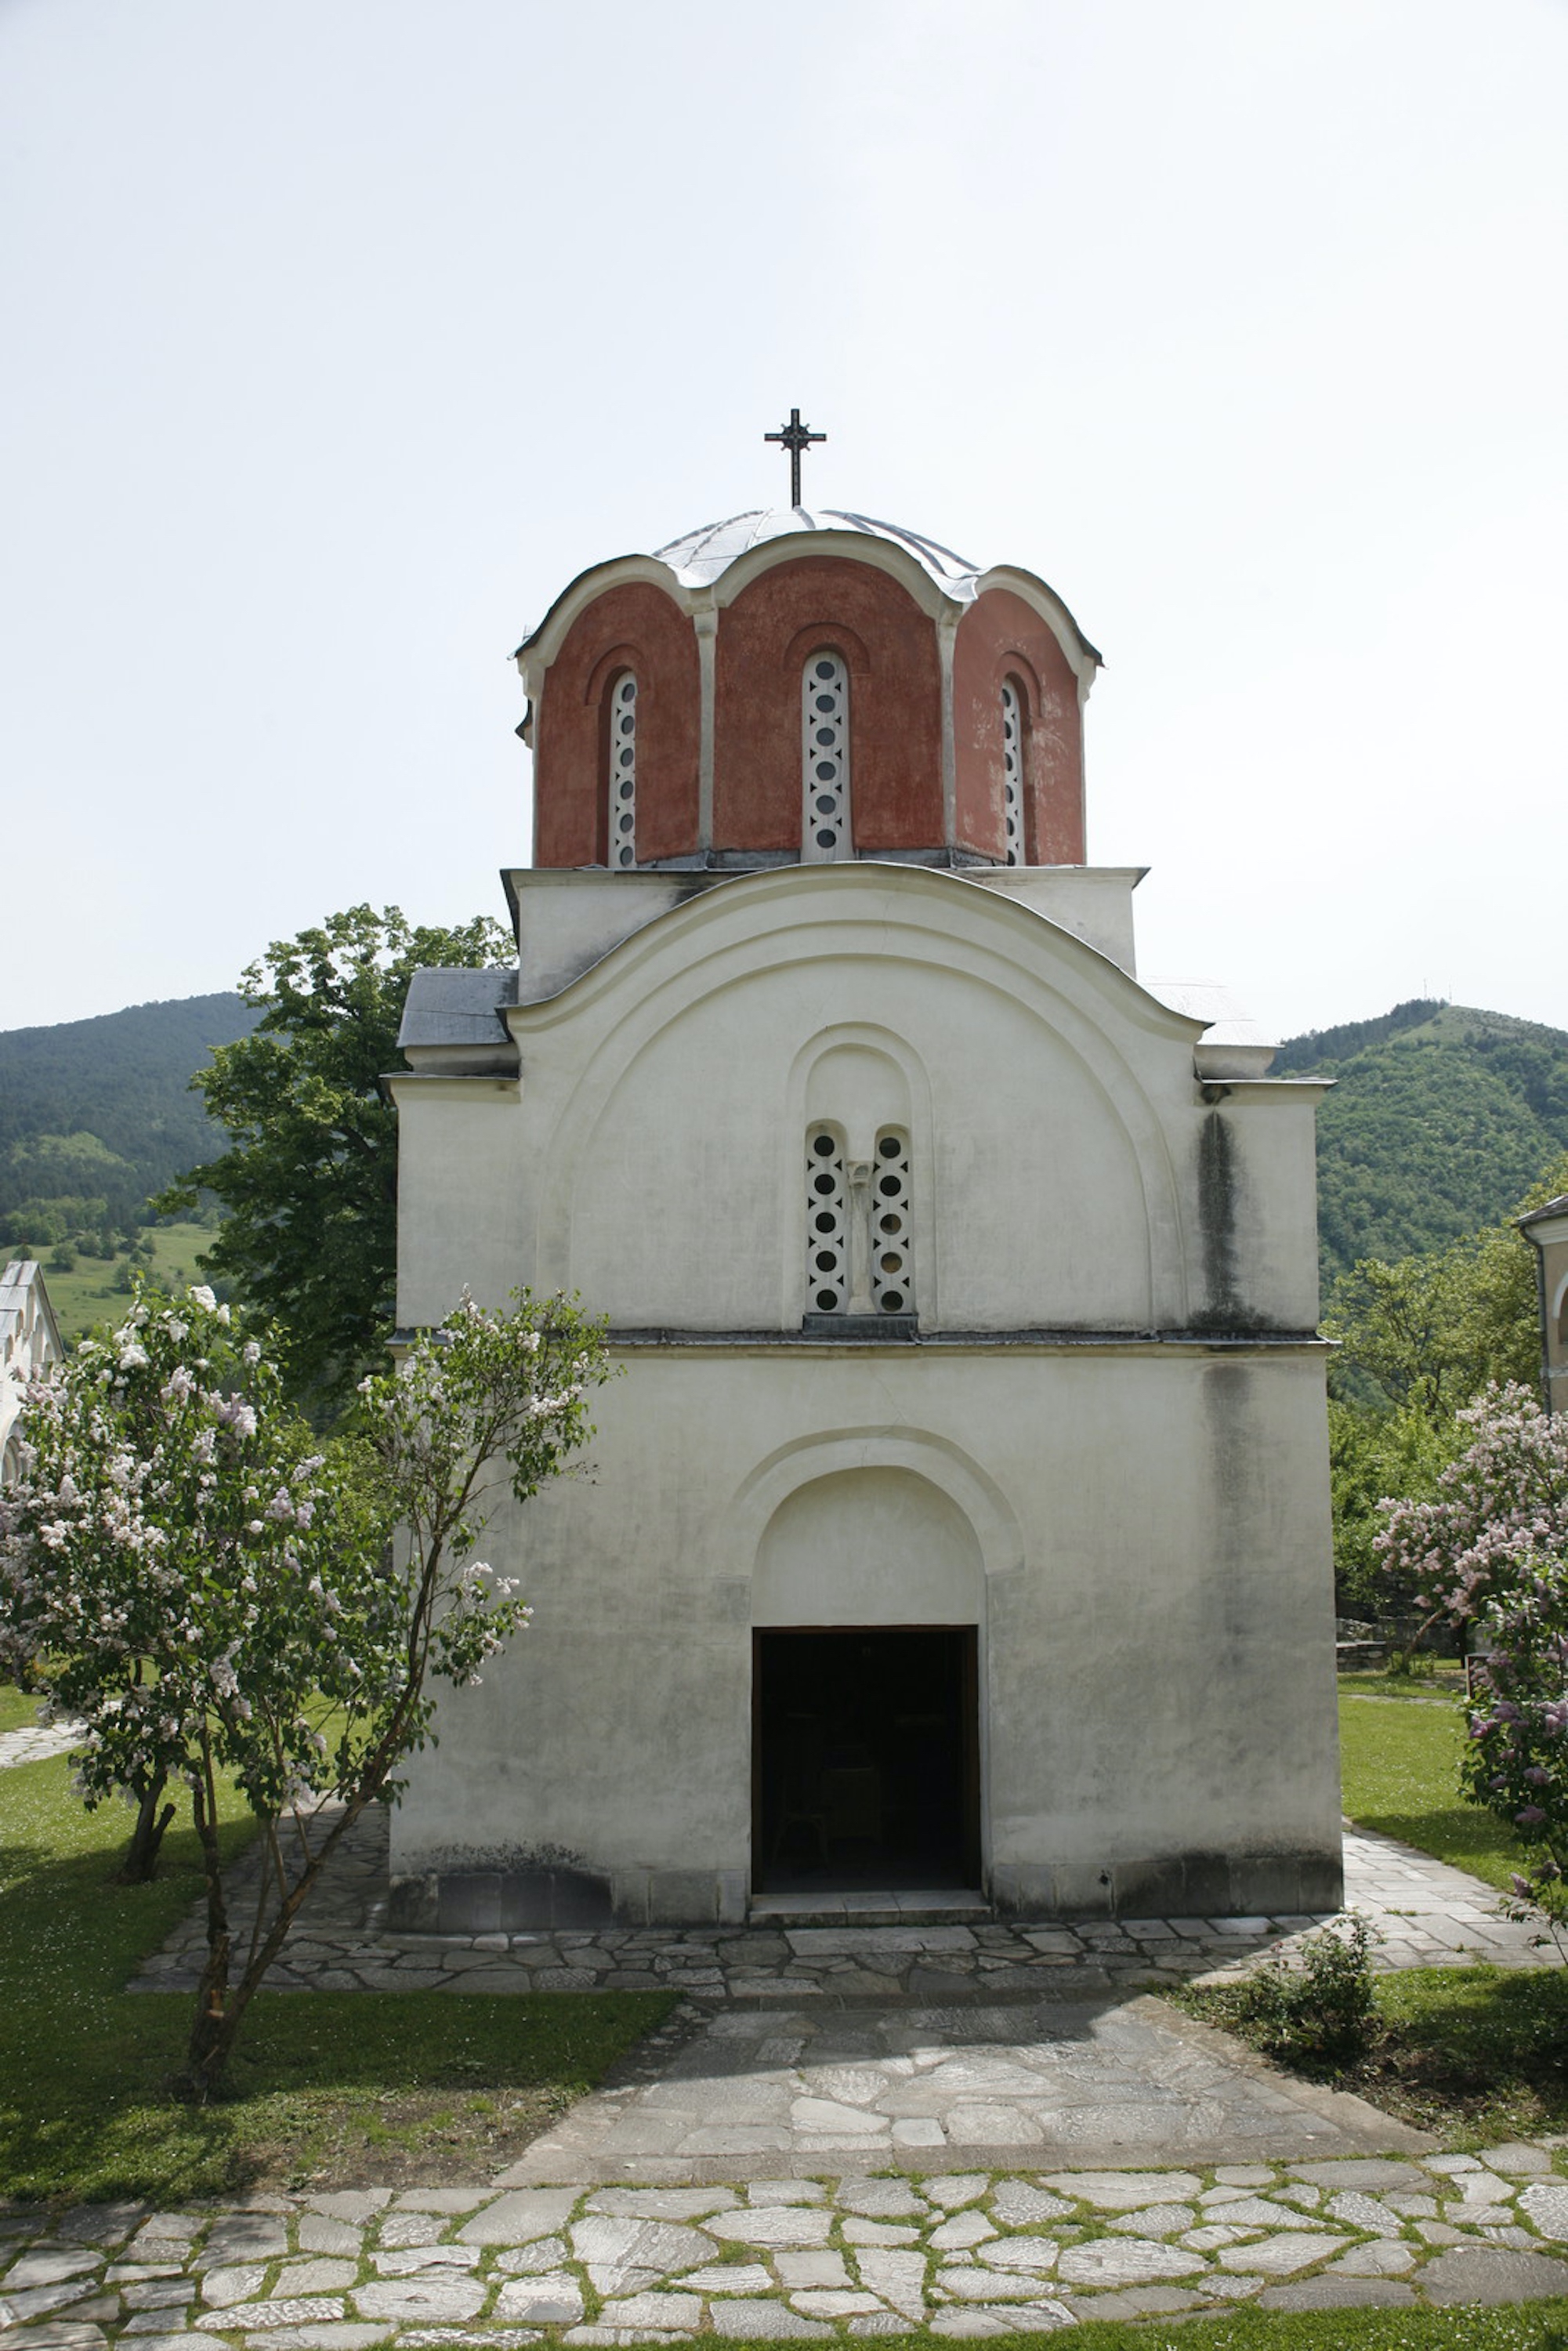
point(827, 1224)
point(892, 1259)
point(1012, 772)
point(825, 759)
point(623, 779)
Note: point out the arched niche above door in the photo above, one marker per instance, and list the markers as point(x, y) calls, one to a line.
point(868, 1546)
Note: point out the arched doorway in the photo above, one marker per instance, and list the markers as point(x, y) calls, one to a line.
point(867, 1603)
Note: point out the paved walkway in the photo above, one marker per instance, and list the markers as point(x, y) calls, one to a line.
point(26, 1746)
point(844, 2131)
point(965, 2254)
point(1427, 1914)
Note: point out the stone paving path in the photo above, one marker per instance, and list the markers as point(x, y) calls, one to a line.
point(848, 2255)
point(788, 2093)
point(26, 1746)
point(1428, 1915)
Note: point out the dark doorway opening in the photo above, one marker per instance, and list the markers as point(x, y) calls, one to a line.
point(865, 1772)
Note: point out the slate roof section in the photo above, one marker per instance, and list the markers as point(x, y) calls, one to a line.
point(451, 1006)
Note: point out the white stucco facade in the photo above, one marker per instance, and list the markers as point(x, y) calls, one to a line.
point(1093, 1443)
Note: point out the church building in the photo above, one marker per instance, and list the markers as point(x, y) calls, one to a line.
point(957, 1538)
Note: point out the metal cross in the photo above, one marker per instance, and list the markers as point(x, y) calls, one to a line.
point(795, 437)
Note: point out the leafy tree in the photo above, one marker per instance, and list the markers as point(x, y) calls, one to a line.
point(1493, 1542)
point(1421, 1339)
point(181, 1569)
point(309, 1179)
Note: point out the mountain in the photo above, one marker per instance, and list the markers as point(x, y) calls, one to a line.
point(1440, 1118)
point(95, 1115)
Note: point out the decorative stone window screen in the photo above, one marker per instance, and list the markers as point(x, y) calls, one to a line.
point(1012, 772)
point(623, 778)
point(892, 1255)
point(859, 1246)
point(827, 1224)
point(825, 759)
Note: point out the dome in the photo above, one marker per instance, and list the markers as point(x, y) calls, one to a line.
point(698, 556)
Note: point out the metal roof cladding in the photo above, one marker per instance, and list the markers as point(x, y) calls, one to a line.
point(698, 556)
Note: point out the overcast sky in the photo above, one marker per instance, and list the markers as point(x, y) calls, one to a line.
point(339, 334)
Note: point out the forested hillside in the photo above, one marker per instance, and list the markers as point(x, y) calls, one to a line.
point(94, 1114)
point(1440, 1118)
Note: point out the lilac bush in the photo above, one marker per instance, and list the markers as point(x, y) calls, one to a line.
point(213, 1593)
point(1492, 1547)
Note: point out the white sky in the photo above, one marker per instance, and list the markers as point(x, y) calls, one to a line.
point(339, 334)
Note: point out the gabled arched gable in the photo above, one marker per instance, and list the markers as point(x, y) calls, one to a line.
point(1036, 1046)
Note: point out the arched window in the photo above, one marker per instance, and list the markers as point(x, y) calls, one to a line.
point(621, 782)
point(859, 1247)
point(891, 1257)
point(1012, 772)
point(825, 759)
point(827, 1224)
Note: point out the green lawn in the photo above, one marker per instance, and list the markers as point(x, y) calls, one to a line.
point(331, 2089)
point(18, 1710)
point(1531, 2327)
point(88, 1296)
point(1399, 1775)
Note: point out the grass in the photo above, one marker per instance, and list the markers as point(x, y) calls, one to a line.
point(1532, 2326)
point(1399, 1776)
point(88, 1296)
point(1438, 1687)
point(328, 2090)
point(1528, 2327)
point(18, 1710)
point(1476, 2055)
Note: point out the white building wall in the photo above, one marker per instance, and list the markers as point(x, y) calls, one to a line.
point(1115, 1402)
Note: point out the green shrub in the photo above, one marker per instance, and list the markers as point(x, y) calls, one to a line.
point(1321, 2011)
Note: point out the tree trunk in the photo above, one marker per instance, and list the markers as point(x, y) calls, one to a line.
point(141, 1862)
point(212, 2031)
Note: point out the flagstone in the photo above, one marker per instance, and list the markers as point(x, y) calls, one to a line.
point(37, 2301)
point(819, 2269)
point(1124, 2260)
point(783, 2224)
point(982, 2284)
point(1547, 2207)
point(318, 2277)
point(317, 2234)
point(1038, 2254)
point(965, 2229)
point(301, 2313)
point(49, 2265)
point(408, 2261)
point(1016, 2203)
point(445, 2297)
point(661, 2310)
point(552, 2300)
point(898, 2278)
point(856, 2232)
point(532, 2260)
point(732, 2277)
point(1154, 2220)
point(1278, 2256)
point(662, 2203)
point(245, 2236)
point(1383, 2257)
point(397, 2229)
point(1330, 2290)
point(1123, 2191)
point(765, 2321)
point(953, 2190)
point(342, 2335)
